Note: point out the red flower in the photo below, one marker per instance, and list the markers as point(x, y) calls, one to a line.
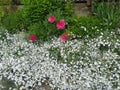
point(64, 37)
point(51, 19)
point(61, 24)
point(33, 37)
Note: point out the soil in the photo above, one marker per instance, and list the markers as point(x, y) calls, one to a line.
point(81, 9)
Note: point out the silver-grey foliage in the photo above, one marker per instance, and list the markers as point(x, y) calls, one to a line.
point(88, 65)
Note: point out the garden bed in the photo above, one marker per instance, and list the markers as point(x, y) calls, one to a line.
point(45, 45)
point(77, 64)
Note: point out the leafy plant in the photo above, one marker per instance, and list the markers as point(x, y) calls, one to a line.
point(108, 12)
point(14, 22)
point(85, 26)
point(37, 10)
point(34, 12)
point(45, 29)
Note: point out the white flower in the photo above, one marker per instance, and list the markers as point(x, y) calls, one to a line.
point(87, 66)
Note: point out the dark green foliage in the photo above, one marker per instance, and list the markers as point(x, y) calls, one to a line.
point(37, 10)
point(109, 12)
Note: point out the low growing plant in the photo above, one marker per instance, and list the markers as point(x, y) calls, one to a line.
point(85, 65)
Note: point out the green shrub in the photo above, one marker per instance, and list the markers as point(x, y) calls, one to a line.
point(13, 22)
point(33, 12)
point(85, 27)
point(37, 10)
point(44, 30)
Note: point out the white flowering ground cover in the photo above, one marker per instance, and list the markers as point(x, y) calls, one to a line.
point(73, 65)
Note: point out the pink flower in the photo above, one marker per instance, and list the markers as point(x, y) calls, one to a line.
point(51, 19)
point(61, 24)
point(64, 37)
point(33, 37)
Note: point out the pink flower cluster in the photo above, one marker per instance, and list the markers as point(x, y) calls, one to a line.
point(60, 25)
